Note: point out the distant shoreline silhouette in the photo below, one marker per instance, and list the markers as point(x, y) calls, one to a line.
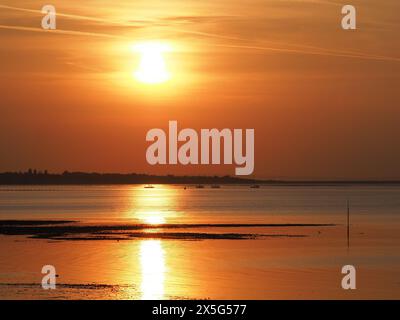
point(34, 177)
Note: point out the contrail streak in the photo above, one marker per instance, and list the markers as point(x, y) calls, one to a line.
point(72, 16)
point(321, 53)
point(60, 31)
point(302, 49)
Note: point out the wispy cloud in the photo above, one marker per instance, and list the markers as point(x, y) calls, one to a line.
point(131, 23)
point(317, 53)
point(233, 42)
point(60, 31)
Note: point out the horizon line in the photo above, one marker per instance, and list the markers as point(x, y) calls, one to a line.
point(35, 172)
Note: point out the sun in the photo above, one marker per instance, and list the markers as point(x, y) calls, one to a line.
point(152, 67)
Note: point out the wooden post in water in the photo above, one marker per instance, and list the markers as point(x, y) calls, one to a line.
point(348, 224)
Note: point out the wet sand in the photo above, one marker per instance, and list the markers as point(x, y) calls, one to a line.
point(72, 230)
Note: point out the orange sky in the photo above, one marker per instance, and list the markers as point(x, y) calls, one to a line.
point(324, 102)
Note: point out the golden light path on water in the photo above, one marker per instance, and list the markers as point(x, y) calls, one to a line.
point(153, 268)
point(153, 205)
point(149, 208)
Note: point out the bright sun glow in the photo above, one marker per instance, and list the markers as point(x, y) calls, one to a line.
point(152, 67)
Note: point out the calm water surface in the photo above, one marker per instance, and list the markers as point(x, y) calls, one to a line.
point(307, 267)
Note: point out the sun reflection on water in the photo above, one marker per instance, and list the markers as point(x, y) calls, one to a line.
point(153, 206)
point(153, 217)
point(152, 263)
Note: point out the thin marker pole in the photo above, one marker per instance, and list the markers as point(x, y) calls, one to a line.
point(348, 224)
